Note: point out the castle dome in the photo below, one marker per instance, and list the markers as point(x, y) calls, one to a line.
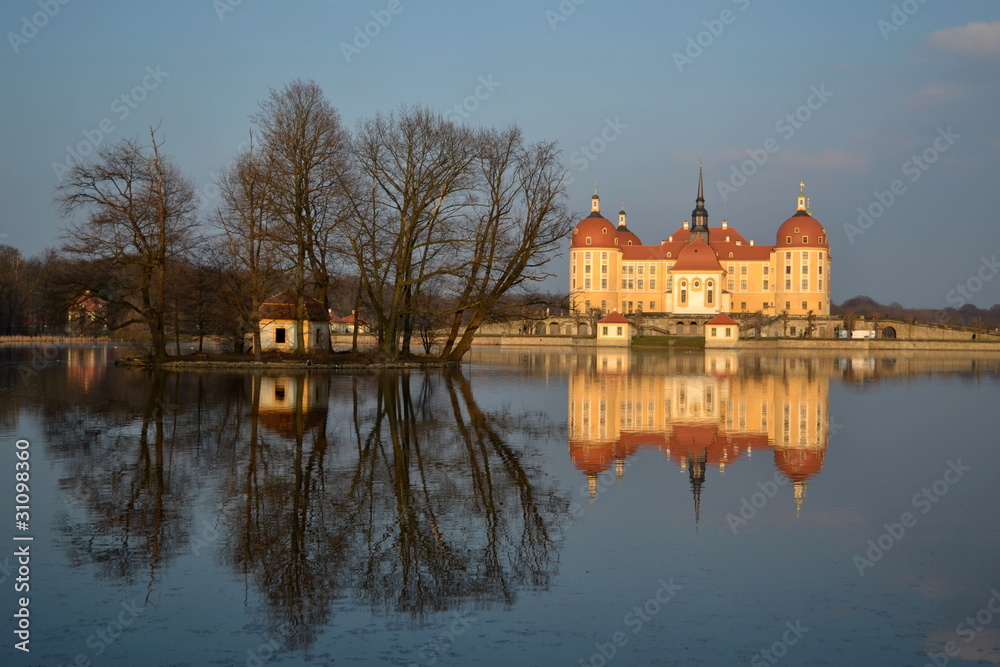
point(801, 230)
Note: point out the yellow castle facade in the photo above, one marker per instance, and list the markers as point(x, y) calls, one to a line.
point(700, 270)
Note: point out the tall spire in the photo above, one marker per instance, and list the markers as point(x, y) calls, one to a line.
point(699, 216)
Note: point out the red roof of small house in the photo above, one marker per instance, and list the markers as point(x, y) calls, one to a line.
point(281, 306)
point(724, 320)
point(613, 317)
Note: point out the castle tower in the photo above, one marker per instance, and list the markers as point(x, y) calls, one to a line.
point(699, 216)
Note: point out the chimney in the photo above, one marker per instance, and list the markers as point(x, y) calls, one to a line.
point(751, 241)
point(725, 224)
point(686, 224)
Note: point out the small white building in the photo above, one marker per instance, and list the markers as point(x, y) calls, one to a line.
point(278, 326)
point(722, 331)
point(614, 329)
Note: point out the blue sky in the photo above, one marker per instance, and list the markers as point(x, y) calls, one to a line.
point(634, 92)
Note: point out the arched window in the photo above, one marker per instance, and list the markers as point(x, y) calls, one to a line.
point(669, 255)
point(788, 239)
point(821, 240)
point(709, 292)
point(730, 255)
point(588, 240)
point(805, 239)
point(605, 230)
point(630, 243)
point(616, 240)
point(684, 292)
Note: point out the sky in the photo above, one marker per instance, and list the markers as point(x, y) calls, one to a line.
point(888, 111)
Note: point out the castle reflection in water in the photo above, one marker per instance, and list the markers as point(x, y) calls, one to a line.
point(702, 412)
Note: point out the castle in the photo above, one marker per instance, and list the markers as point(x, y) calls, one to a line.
point(700, 270)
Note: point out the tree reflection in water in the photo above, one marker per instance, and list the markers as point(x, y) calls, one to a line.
point(394, 490)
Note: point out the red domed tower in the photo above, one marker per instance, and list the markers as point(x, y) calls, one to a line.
point(595, 260)
point(802, 263)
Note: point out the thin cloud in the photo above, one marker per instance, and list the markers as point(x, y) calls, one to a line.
point(978, 40)
point(935, 94)
point(832, 160)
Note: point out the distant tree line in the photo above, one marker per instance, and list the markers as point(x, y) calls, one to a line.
point(413, 220)
point(968, 315)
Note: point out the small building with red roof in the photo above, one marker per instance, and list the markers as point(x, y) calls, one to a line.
point(279, 324)
point(614, 329)
point(722, 331)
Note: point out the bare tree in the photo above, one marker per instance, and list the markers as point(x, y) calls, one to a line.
point(246, 226)
point(514, 231)
point(305, 149)
point(409, 186)
point(140, 214)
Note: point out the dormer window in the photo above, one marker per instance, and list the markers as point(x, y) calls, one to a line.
point(805, 239)
point(588, 240)
point(605, 230)
point(630, 243)
point(796, 230)
point(730, 255)
point(669, 255)
point(788, 239)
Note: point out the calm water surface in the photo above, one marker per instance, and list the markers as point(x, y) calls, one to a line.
point(537, 508)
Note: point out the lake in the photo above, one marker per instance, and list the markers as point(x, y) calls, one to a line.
point(534, 508)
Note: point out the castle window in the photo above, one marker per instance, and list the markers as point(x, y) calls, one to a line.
point(730, 255)
point(586, 268)
point(604, 305)
point(588, 240)
point(605, 230)
point(788, 269)
point(743, 285)
point(821, 239)
point(743, 270)
point(805, 239)
point(640, 269)
point(669, 255)
point(788, 239)
point(630, 243)
point(732, 284)
point(640, 283)
point(796, 230)
point(788, 305)
point(765, 285)
point(820, 269)
point(604, 283)
point(743, 305)
point(709, 292)
point(604, 255)
point(586, 283)
point(820, 284)
point(697, 284)
point(805, 270)
point(574, 283)
point(788, 285)
point(713, 334)
point(788, 255)
point(805, 306)
point(652, 269)
point(652, 305)
point(652, 283)
point(767, 269)
point(604, 268)
point(279, 335)
point(616, 240)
